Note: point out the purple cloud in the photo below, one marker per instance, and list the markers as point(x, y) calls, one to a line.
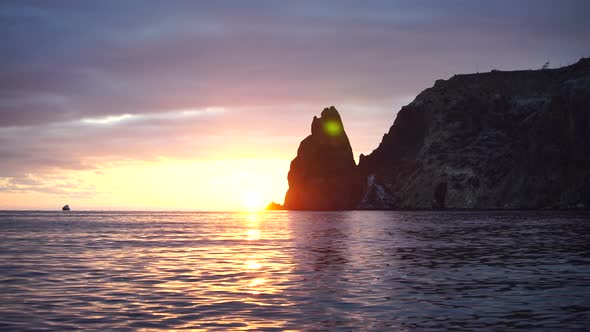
point(271, 66)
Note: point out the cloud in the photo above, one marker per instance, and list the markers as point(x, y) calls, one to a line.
point(184, 134)
point(181, 115)
point(69, 61)
point(47, 185)
point(85, 83)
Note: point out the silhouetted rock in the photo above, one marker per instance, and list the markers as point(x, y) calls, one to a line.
point(323, 176)
point(274, 206)
point(498, 140)
point(66, 208)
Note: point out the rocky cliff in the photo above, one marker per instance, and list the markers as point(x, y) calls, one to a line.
point(324, 176)
point(497, 140)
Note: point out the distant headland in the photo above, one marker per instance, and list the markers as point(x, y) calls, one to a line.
point(496, 140)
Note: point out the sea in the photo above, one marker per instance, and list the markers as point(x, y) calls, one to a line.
point(294, 271)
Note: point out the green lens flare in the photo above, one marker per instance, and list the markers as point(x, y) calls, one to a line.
point(332, 128)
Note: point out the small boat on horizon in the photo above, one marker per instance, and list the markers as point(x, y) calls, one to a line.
point(66, 208)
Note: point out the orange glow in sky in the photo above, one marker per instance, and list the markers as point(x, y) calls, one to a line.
point(214, 185)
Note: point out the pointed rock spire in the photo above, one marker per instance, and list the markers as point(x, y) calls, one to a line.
point(323, 176)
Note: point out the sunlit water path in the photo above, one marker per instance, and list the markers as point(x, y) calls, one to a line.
point(294, 270)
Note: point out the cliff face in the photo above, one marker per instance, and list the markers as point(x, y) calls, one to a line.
point(324, 176)
point(498, 140)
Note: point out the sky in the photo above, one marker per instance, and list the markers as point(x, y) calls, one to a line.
point(190, 105)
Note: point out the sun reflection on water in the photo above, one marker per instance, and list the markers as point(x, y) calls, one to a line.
point(252, 234)
point(240, 264)
point(252, 265)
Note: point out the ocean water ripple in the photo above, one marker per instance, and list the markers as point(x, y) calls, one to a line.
point(357, 270)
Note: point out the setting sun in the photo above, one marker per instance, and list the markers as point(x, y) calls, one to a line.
point(253, 201)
